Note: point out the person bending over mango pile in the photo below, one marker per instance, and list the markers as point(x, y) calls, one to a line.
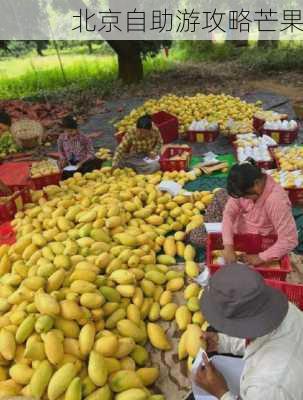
point(144, 141)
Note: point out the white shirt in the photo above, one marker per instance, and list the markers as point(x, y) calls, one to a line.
point(273, 363)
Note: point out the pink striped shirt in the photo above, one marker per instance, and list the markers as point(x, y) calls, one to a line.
point(269, 215)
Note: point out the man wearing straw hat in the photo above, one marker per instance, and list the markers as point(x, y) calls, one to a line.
point(258, 323)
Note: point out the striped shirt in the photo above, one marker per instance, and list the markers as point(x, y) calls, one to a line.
point(78, 147)
point(150, 144)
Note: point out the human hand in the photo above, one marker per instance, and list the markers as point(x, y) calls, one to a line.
point(212, 341)
point(229, 255)
point(210, 379)
point(252, 259)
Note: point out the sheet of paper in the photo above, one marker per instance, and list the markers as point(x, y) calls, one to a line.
point(213, 227)
point(151, 160)
point(71, 168)
point(171, 187)
point(230, 367)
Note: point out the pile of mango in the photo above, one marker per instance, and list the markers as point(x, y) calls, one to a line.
point(218, 109)
point(85, 286)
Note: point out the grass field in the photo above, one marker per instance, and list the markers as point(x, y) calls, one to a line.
point(34, 76)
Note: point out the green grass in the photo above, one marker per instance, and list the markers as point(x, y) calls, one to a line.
point(38, 76)
point(32, 76)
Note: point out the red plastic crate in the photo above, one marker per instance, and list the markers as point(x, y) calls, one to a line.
point(258, 123)
point(175, 165)
point(41, 182)
point(281, 136)
point(7, 234)
point(14, 204)
point(250, 244)
point(231, 138)
point(294, 292)
point(261, 164)
point(202, 136)
point(167, 124)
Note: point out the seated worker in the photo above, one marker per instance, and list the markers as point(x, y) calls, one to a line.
point(257, 205)
point(75, 148)
point(5, 122)
point(257, 322)
point(144, 141)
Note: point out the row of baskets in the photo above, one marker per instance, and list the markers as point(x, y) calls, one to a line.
point(254, 244)
point(168, 126)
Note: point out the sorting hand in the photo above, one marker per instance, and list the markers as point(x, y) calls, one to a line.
point(252, 259)
point(212, 341)
point(229, 255)
point(210, 379)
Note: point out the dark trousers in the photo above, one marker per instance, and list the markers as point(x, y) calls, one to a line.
point(88, 166)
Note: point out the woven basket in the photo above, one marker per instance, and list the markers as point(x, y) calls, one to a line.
point(27, 133)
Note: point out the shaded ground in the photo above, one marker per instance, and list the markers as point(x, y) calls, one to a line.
point(278, 92)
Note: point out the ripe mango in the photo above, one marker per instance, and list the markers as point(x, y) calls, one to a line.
point(107, 346)
point(166, 260)
point(97, 369)
point(74, 390)
point(158, 337)
point(148, 376)
point(60, 381)
point(128, 328)
point(40, 379)
point(167, 312)
point(183, 317)
point(132, 394)
point(124, 380)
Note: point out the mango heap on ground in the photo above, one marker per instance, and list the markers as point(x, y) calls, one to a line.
point(215, 108)
point(89, 278)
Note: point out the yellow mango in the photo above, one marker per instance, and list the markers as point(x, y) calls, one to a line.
point(157, 337)
point(189, 253)
point(183, 317)
point(53, 347)
point(132, 394)
point(86, 338)
point(107, 346)
point(103, 393)
point(21, 373)
point(166, 260)
point(97, 369)
point(169, 246)
point(7, 344)
point(60, 381)
point(148, 376)
point(124, 380)
point(40, 379)
point(167, 312)
point(128, 328)
point(175, 284)
point(74, 390)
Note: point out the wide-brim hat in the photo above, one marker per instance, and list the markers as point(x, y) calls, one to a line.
point(238, 302)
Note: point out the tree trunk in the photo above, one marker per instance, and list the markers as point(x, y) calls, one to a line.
point(130, 65)
point(39, 48)
point(90, 47)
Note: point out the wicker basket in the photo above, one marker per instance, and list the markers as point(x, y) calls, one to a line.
point(27, 133)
